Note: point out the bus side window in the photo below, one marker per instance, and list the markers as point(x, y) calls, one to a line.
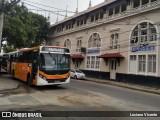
point(20, 57)
point(25, 56)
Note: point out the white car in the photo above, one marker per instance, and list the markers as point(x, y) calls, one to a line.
point(77, 74)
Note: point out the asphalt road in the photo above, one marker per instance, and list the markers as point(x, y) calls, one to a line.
point(136, 99)
point(80, 96)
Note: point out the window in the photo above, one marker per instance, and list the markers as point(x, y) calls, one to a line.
point(136, 3)
point(143, 35)
point(94, 40)
point(97, 16)
point(114, 41)
point(66, 27)
point(67, 43)
point(153, 33)
point(110, 11)
point(79, 45)
point(93, 62)
point(51, 61)
point(85, 20)
point(81, 22)
point(145, 2)
point(135, 36)
point(123, 7)
point(77, 23)
point(133, 57)
point(88, 62)
point(141, 63)
point(69, 26)
point(101, 15)
point(144, 32)
point(132, 64)
point(117, 8)
point(97, 63)
point(152, 63)
point(92, 18)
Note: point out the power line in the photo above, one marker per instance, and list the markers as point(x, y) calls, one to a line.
point(44, 9)
point(128, 12)
point(60, 10)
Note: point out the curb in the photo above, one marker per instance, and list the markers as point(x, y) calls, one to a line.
point(9, 89)
point(125, 86)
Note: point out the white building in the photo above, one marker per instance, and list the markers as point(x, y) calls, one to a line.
point(117, 39)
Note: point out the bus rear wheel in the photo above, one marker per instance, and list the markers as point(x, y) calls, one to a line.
point(29, 80)
point(13, 75)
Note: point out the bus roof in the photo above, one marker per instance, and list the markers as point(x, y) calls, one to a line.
point(37, 47)
point(33, 48)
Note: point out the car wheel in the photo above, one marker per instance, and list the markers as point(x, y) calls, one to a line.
point(75, 77)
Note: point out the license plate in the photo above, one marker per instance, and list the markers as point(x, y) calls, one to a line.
point(56, 81)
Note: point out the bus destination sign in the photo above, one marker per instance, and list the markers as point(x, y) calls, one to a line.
point(52, 49)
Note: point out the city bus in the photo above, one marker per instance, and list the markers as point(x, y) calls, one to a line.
point(42, 65)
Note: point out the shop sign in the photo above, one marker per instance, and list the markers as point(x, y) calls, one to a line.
point(93, 51)
point(143, 48)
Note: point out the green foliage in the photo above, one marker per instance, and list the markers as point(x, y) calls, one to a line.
point(8, 49)
point(23, 28)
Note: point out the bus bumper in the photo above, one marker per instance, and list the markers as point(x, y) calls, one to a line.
point(42, 82)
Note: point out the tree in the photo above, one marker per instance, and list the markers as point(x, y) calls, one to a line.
point(23, 28)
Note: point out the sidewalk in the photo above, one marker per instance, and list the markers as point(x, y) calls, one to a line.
point(126, 85)
point(6, 83)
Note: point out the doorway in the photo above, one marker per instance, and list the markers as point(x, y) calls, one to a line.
point(113, 67)
point(77, 64)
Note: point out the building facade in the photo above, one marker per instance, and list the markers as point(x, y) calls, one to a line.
point(117, 39)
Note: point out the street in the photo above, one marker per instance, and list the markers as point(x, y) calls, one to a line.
point(78, 96)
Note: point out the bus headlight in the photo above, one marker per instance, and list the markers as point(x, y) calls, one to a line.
point(41, 76)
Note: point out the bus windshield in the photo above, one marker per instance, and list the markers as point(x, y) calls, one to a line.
point(52, 61)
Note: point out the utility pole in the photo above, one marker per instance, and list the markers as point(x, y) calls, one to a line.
point(2, 12)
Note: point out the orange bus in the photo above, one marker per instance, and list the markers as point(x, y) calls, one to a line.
point(42, 65)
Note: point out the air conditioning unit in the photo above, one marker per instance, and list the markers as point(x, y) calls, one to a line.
point(83, 49)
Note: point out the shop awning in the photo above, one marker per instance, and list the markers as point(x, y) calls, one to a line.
point(111, 55)
point(77, 56)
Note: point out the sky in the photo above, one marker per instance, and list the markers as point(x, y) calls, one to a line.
point(50, 5)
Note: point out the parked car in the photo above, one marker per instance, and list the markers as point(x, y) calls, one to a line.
point(77, 74)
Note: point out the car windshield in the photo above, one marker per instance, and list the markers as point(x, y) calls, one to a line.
point(51, 61)
point(78, 71)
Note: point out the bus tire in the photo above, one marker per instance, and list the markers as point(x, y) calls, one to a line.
point(13, 75)
point(29, 80)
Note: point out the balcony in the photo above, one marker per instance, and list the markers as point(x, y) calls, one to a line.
point(137, 10)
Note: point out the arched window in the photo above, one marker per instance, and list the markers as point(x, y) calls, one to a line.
point(143, 32)
point(94, 40)
point(67, 43)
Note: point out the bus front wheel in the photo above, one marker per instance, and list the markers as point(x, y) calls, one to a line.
point(29, 80)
